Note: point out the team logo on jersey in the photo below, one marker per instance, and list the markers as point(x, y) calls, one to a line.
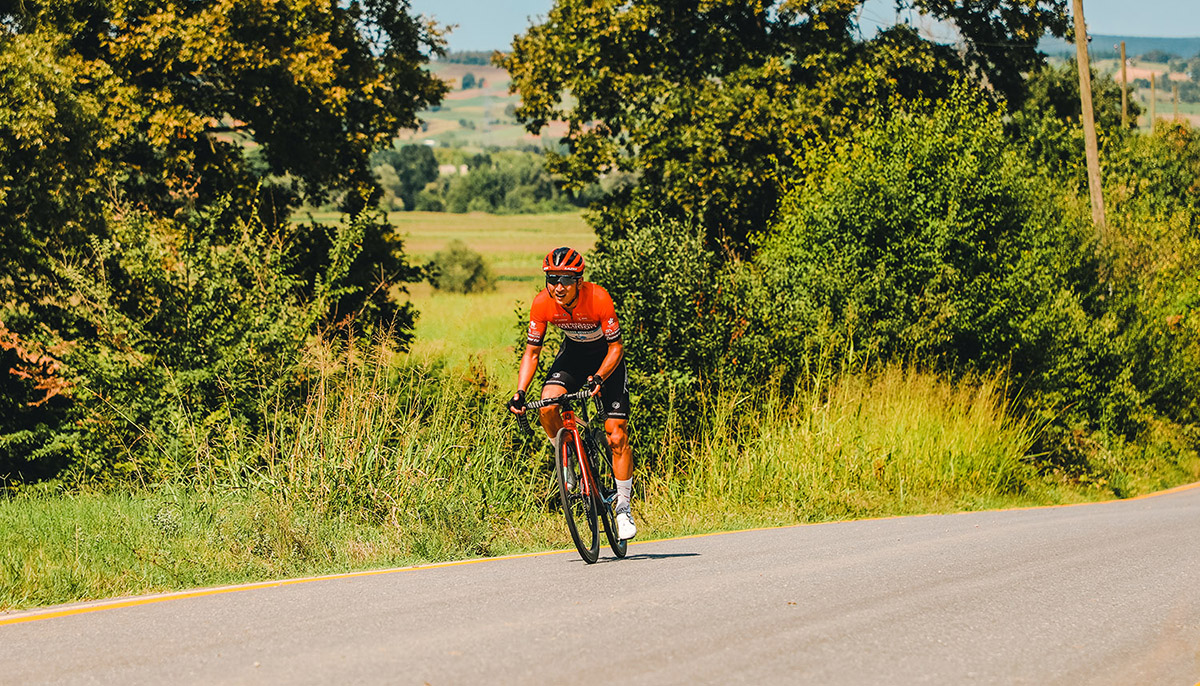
point(616, 405)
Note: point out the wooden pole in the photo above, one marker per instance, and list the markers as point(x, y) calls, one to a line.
point(1153, 101)
point(1124, 91)
point(1095, 186)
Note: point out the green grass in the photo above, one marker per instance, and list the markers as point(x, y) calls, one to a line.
point(389, 464)
point(514, 244)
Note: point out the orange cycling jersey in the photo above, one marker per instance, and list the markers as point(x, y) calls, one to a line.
point(591, 319)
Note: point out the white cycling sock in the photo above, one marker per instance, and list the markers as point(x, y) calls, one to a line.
point(624, 490)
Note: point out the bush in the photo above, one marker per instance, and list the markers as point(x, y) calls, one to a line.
point(192, 324)
point(458, 269)
point(924, 235)
point(669, 295)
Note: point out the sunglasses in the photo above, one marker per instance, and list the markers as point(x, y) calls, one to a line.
point(564, 279)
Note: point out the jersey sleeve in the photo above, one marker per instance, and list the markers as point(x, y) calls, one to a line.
point(538, 319)
point(606, 312)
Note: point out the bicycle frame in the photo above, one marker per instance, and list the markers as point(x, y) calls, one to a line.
point(569, 423)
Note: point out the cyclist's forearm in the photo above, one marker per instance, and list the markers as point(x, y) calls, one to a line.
point(529, 363)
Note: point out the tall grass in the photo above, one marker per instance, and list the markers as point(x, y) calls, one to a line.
point(387, 462)
point(899, 441)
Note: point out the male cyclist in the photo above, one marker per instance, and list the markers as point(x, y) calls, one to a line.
point(592, 354)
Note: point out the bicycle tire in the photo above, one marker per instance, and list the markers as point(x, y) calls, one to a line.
point(607, 483)
point(578, 509)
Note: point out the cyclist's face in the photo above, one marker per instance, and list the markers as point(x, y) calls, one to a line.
point(562, 290)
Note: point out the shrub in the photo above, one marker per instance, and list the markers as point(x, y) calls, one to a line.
point(195, 324)
point(458, 269)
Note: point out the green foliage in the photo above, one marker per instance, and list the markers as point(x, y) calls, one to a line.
point(482, 57)
point(1154, 210)
point(501, 182)
point(468, 81)
point(458, 269)
point(402, 173)
point(187, 328)
point(672, 301)
point(181, 109)
point(712, 104)
point(923, 234)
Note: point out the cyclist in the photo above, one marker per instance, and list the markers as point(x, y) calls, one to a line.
point(592, 354)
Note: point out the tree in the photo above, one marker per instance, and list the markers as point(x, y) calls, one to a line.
point(712, 104)
point(170, 109)
point(174, 104)
point(414, 166)
point(468, 81)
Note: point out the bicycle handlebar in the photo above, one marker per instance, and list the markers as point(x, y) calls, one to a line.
point(581, 395)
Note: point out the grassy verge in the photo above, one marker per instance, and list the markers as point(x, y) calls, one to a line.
point(388, 463)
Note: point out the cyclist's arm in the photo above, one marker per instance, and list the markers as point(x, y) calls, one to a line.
point(529, 363)
point(611, 359)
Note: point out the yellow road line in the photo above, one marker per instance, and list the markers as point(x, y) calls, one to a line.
point(37, 615)
point(147, 600)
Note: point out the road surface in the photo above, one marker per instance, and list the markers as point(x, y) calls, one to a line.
point(1095, 594)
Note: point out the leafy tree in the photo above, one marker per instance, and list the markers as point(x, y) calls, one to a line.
point(412, 168)
point(468, 57)
point(159, 102)
point(174, 108)
point(468, 81)
point(1158, 56)
point(711, 104)
point(459, 269)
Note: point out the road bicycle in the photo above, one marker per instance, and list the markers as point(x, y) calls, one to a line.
point(583, 467)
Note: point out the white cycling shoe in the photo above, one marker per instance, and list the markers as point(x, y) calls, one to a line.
point(626, 529)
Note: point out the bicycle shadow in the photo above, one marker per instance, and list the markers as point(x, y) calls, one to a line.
point(652, 556)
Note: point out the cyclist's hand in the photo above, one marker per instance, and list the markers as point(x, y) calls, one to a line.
point(516, 404)
point(594, 384)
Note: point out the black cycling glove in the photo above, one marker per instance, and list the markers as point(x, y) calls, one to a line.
point(593, 382)
point(516, 404)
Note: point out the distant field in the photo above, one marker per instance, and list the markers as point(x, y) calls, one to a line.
point(514, 244)
point(477, 117)
point(482, 329)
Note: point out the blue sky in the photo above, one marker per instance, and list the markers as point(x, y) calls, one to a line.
point(491, 24)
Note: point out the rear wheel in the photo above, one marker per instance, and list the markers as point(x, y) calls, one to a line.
point(580, 509)
point(607, 482)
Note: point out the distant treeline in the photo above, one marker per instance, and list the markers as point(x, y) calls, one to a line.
point(499, 181)
point(468, 57)
point(1108, 46)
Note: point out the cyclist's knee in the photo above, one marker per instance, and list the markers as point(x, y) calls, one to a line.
point(618, 437)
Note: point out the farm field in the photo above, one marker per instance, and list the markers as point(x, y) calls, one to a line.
point(463, 330)
point(483, 328)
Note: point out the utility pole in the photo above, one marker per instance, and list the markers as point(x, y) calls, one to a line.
point(1095, 187)
point(1124, 91)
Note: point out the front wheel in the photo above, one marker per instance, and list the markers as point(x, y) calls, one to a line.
point(607, 482)
point(579, 508)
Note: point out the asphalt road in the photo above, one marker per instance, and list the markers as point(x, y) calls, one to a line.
point(1095, 594)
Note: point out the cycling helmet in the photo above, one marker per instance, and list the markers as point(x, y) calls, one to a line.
point(563, 260)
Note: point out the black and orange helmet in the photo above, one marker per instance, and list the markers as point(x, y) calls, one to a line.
point(563, 260)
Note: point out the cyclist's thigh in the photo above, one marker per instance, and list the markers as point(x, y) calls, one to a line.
point(615, 394)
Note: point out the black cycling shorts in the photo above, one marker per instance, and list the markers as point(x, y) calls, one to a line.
point(575, 363)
